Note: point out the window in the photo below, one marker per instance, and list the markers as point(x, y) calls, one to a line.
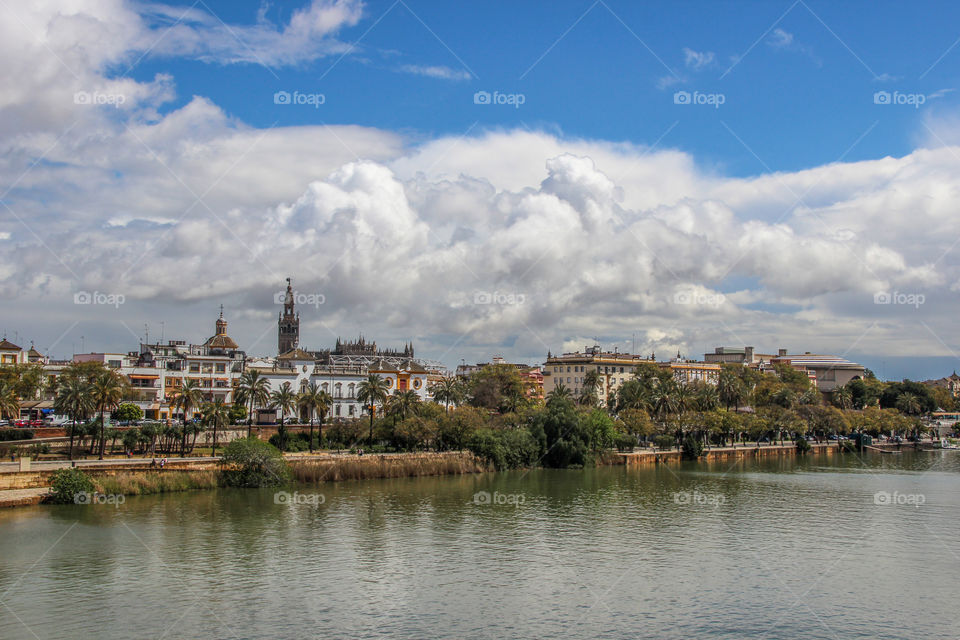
point(337, 410)
point(338, 391)
point(350, 394)
point(351, 410)
point(325, 387)
point(114, 364)
point(194, 367)
point(221, 368)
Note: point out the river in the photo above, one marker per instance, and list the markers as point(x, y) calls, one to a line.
point(818, 547)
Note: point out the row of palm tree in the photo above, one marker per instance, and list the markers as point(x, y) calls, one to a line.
point(253, 391)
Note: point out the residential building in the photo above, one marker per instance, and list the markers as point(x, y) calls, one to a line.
point(570, 369)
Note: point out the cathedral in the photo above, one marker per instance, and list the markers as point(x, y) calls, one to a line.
point(353, 351)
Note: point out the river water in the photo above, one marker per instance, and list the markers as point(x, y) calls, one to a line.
point(820, 547)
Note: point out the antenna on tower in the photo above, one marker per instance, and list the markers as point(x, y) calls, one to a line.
point(161, 332)
point(146, 333)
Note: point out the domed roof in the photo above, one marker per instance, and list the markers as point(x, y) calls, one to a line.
point(221, 340)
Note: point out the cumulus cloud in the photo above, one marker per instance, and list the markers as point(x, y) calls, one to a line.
point(512, 241)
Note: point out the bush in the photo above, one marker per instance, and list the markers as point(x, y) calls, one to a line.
point(802, 445)
point(664, 442)
point(625, 442)
point(505, 448)
point(67, 483)
point(15, 434)
point(692, 448)
point(127, 412)
point(248, 462)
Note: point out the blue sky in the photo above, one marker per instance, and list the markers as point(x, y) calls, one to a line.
point(798, 78)
point(486, 178)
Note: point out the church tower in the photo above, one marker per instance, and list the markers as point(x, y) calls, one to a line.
point(288, 325)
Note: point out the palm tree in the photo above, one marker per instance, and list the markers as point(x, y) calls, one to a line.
point(188, 397)
point(285, 400)
point(559, 392)
point(315, 400)
point(9, 402)
point(842, 397)
point(446, 390)
point(215, 415)
point(372, 391)
point(405, 402)
point(75, 399)
point(588, 395)
point(253, 390)
point(107, 392)
point(731, 389)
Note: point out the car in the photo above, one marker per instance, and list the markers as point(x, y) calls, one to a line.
point(896, 439)
point(833, 436)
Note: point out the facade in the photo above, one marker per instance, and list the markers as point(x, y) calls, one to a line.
point(571, 368)
point(686, 371)
point(829, 372)
point(11, 354)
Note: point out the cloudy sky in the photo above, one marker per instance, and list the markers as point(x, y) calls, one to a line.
point(484, 178)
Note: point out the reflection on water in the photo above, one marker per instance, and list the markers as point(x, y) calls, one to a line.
point(820, 547)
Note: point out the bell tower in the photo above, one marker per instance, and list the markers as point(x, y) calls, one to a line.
point(288, 324)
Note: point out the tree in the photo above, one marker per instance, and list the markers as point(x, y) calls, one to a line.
point(127, 412)
point(497, 387)
point(842, 397)
point(405, 402)
point(285, 400)
point(75, 399)
point(249, 462)
point(447, 390)
point(188, 397)
point(253, 390)
point(731, 388)
point(923, 404)
point(9, 402)
point(216, 415)
point(588, 394)
point(316, 401)
point(561, 391)
point(637, 423)
point(459, 426)
point(372, 391)
point(107, 391)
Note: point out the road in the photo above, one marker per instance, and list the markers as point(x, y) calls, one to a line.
point(44, 465)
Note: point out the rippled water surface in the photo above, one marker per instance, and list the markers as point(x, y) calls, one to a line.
point(769, 549)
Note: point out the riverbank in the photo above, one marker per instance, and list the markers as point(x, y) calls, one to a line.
point(137, 477)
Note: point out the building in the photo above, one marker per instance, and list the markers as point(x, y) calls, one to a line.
point(951, 383)
point(288, 324)
point(686, 371)
point(11, 354)
point(570, 369)
point(828, 372)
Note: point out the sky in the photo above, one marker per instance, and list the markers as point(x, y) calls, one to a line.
point(484, 178)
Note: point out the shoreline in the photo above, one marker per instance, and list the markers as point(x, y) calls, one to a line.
point(27, 488)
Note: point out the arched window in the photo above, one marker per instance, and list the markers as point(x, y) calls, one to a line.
point(338, 390)
point(350, 391)
point(325, 387)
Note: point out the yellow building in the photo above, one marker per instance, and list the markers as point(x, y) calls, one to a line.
point(571, 368)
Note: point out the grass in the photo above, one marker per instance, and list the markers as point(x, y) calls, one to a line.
point(138, 484)
point(374, 466)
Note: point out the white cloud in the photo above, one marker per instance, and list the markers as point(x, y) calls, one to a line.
point(576, 237)
point(780, 39)
point(696, 60)
point(439, 72)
